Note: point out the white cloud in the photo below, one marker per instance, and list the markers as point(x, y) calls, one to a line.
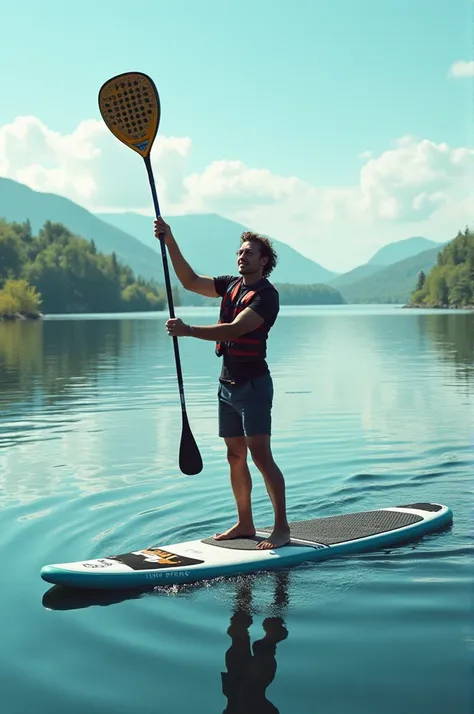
point(89, 165)
point(415, 187)
point(413, 180)
point(461, 69)
point(231, 183)
point(406, 183)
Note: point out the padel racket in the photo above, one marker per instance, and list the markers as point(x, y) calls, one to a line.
point(130, 107)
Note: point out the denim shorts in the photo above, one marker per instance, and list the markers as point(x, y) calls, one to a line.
point(245, 409)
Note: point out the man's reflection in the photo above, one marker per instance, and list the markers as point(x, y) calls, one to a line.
point(252, 668)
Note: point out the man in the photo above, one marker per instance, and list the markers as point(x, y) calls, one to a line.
point(249, 308)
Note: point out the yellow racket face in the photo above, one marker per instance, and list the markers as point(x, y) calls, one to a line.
point(130, 107)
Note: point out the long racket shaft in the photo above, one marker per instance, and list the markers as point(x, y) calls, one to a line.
point(164, 257)
point(167, 281)
point(130, 106)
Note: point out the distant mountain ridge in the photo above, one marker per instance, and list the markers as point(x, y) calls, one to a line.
point(19, 203)
point(205, 240)
point(390, 284)
point(385, 279)
point(390, 275)
point(399, 250)
point(209, 243)
point(353, 276)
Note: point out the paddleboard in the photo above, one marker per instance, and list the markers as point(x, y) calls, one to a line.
point(196, 560)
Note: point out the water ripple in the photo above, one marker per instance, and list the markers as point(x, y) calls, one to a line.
point(373, 407)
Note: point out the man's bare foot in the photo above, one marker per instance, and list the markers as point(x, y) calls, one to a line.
point(277, 539)
point(237, 531)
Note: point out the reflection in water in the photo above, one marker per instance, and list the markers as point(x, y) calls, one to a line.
point(383, 413)
point(453, 336)
point(43, 359)
point(45, 364)
point(251, 669)
point(59, 597)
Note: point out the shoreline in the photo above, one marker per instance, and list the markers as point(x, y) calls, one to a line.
point(11, 317)
point(14, 317)
point(419, 306)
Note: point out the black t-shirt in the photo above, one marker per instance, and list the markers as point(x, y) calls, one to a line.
point(267, 305)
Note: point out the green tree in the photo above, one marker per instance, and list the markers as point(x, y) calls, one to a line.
point(451, 281)
point(316, 294)
point(69, 273)
point(8, 304)
point(12, 254)
point(19, 296)
point(421, 280)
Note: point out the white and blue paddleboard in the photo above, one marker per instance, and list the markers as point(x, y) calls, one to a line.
point(195, 560)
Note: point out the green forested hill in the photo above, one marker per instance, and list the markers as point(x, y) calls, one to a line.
point(19, 203)
point(68, 273)
point(450, 283)
point(393, 284)
point(318, 294)
point(289, 293)
point(58, 272)
point(390, 254)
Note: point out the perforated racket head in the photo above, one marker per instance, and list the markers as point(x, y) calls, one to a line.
point(130, 107)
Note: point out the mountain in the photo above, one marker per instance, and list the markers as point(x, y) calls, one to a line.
point(209, 244)
point(399, 250)
point(363, 280)
point(392, 284)
point(353, 276)
point(19, 203)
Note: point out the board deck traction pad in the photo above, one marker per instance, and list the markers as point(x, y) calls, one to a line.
point(330, 530)
point(318, 536)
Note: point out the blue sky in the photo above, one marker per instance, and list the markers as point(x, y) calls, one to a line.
point(297, 89)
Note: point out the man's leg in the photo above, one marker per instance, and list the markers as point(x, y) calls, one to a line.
point(231, 430)
point(257, 422)
point(247, 410)
point(275, 483)
point(242, 487)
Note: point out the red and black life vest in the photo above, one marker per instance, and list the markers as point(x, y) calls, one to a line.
point(252, 345)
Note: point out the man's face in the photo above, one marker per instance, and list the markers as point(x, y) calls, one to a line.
point(248, 258)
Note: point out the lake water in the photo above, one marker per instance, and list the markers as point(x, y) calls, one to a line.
point(374, 406)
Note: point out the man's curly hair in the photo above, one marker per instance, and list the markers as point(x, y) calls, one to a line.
point(266, 250)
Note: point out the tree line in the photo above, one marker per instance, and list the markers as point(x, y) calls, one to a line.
point(450, 283)
point(58, 272)
point(311, 294)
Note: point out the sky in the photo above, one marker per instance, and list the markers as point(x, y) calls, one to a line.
point(335, 126)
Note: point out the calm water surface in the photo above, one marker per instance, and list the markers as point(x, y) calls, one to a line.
point(374, 406)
